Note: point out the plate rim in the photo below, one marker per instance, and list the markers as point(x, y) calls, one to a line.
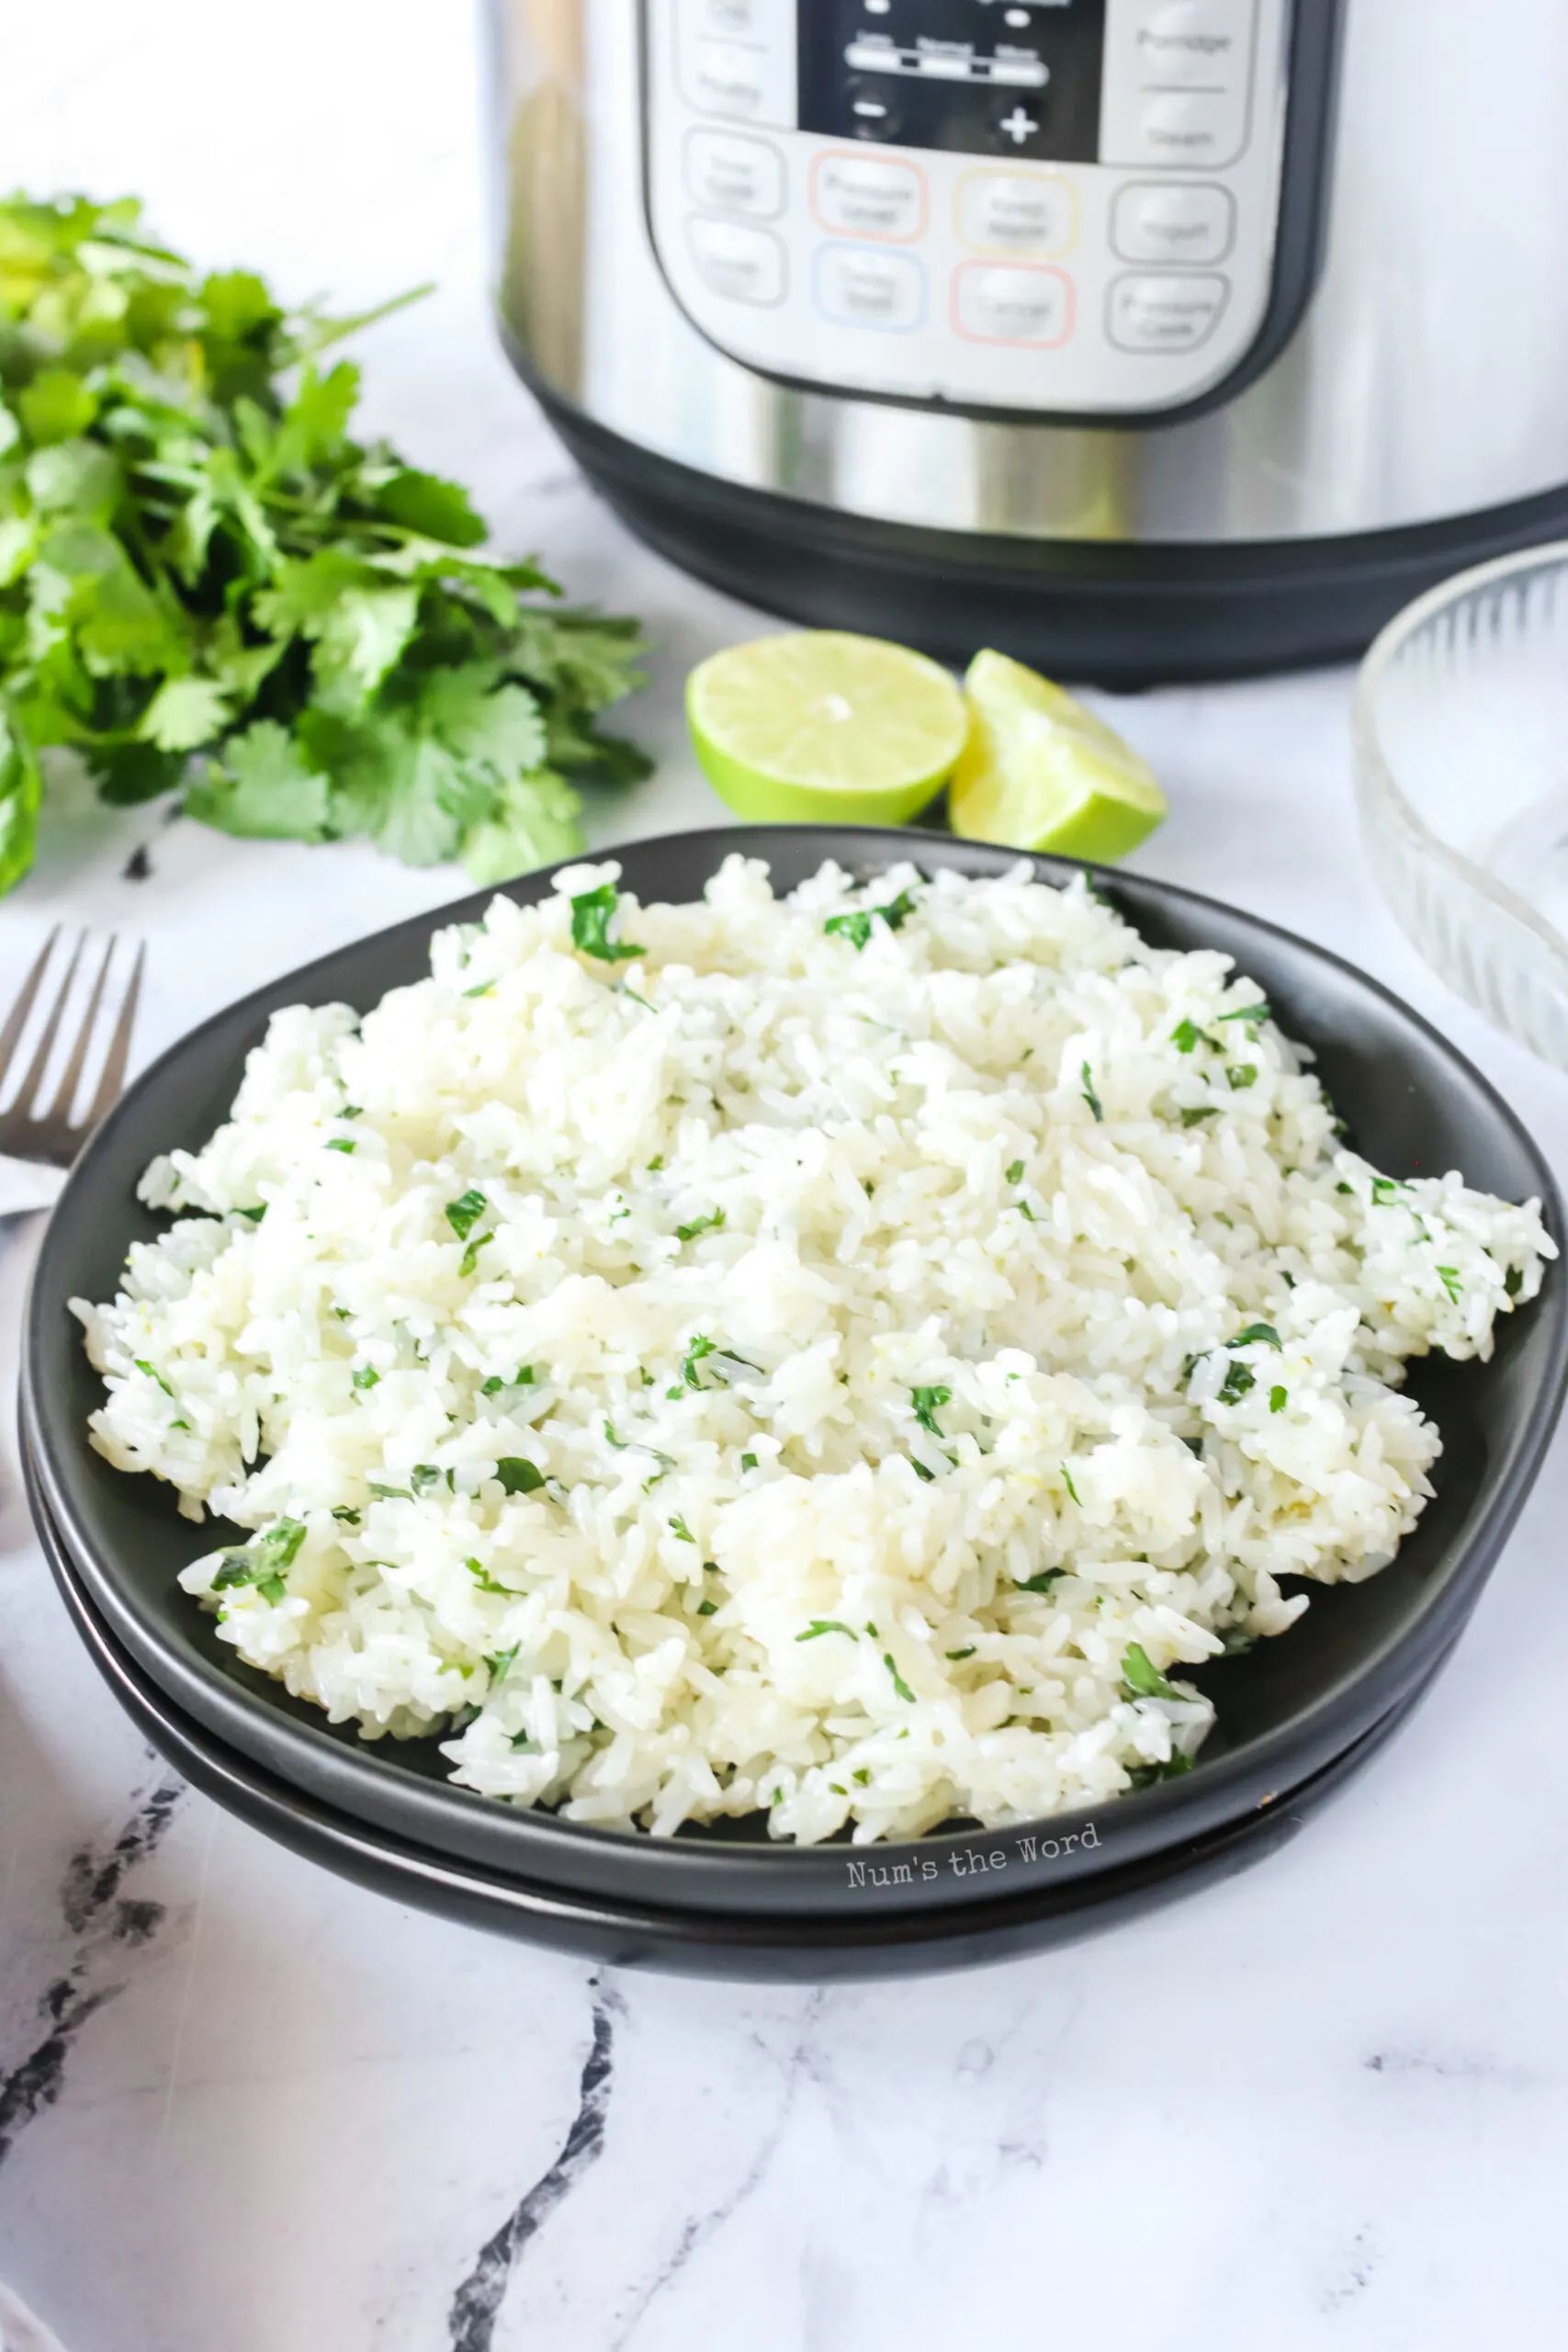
point(1144, 1819)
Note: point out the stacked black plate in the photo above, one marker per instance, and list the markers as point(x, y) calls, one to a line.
point(1296, 1717)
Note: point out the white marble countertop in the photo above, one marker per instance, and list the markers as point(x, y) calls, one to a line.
point(243, 2105)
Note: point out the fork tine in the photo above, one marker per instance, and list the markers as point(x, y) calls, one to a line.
point(40, 1063)
point(24, 1005)
point(113, 1077)
point(71, 1076)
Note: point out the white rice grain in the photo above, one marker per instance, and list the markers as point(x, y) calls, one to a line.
point(843, 1367)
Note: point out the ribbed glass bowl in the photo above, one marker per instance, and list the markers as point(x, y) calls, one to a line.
point(1461, 761)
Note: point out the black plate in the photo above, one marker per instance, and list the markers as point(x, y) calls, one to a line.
point(1286, 1709)
point(810, 1950)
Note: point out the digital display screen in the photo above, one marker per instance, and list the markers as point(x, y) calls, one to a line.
point(978, 77)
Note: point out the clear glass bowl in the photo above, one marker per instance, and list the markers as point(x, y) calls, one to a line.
point(1461, 761)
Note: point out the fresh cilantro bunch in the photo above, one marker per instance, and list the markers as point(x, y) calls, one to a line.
point(207, 586)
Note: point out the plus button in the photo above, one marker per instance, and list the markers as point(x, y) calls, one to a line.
point(1017, 126)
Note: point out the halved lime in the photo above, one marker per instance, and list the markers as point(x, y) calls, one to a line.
point(1041, 771)
point(817, 724)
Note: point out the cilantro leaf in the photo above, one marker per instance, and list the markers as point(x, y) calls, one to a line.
point(208, 586)
point(518, 1475)
point(463, 1215)
point(928, 1403)
point(591, 915)
point(856, 927)
point(1143, 1677)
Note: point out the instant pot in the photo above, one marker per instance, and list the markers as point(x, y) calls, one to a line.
point(1143, 339)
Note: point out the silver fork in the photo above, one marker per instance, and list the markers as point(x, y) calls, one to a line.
point(28, 1128)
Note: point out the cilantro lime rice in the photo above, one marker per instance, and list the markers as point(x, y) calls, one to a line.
point(846, 1355)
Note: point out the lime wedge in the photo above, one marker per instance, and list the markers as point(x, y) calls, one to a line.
point(816, 724)
point(1041, 771)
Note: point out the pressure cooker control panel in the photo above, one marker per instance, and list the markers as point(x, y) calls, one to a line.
point(1064, 205)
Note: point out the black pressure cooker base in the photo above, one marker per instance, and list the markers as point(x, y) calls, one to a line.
point(1114, 615)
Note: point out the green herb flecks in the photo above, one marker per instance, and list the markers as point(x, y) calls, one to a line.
point(899, 1685)
point(1042, 1581)
point(1238, 1379)
point(1015, 1173)
point(1256, 1334)
point(486, 1582)
point(518, 1475)
point(857, 927)
point(1067, 1482)
point(821, 1626)
point(592, 914)
point(1242, 1075)
point(1278, 1399)
point(708, 1224)
point(463, 1215)
point(499, 1662)
point(928, 1403)
point(1190, 1118)
point(1187, 1036)
point(1148, 1776)
point(1143, 1678)
point(1448, 1276)
point(341, 1143)
point(471, 1254)
point(955, 1656)
point(1090, 1096)
point(1258, 1011)
point(149, 1372)
point(263, 1562)
point(679, 1528)
point(365, 1375)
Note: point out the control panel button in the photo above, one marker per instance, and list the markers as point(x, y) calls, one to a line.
point(1202, 41)
point(736, 58)
point(1177, 82)
point(869, 195)
point(726, 173)
point(727, 79)
point(1188, 126)
point(1012, 124)
point(1019, 212)
point(1006, 303)
point(744, 264)
point(858, 286)
point(1168, 221)
point(738, 19)
point(1168, 313)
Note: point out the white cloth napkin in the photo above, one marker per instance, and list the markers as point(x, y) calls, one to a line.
point(25, 1186)
point(19, 2332)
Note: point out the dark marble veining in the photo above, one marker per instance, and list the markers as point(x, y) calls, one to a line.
point(476, 2303)
point(106, 1926)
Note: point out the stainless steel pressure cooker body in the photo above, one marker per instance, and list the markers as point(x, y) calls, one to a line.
point(1142, 338)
